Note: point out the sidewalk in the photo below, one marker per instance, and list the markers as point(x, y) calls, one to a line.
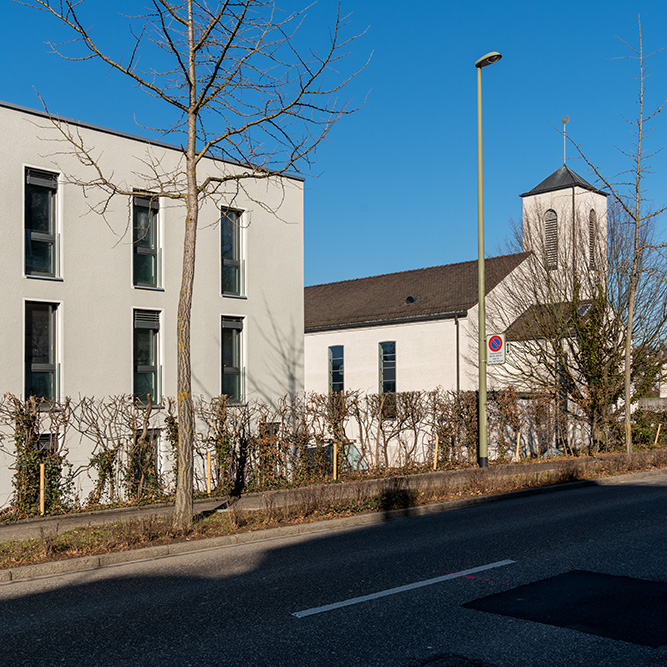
point(318, 494)
point(57, 567)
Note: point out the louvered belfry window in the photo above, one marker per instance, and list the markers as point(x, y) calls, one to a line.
point(551, 239)
point(592, 232)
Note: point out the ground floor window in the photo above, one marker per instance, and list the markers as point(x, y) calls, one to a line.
point(146, 355)
point(232, 363)
point(336, 377)
point(41, 368)
point(388, 367)
point(387, 363)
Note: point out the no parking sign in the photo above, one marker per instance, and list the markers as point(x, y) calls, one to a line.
point(495, 349)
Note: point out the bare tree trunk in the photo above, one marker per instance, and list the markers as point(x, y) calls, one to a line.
point(186, 413)
point(628, 349)
point(636, 254)
point(186, 417)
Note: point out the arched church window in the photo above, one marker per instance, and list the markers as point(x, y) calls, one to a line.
point(551, 239)
point(592, 235)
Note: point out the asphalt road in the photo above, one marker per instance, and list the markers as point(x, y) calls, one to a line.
point(292, 601)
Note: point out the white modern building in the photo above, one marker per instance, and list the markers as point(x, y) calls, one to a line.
point(417, 330)
point(91, 284)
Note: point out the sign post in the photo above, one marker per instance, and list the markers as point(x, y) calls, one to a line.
point(495, 349)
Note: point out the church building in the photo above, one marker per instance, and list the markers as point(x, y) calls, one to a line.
point(417, 330)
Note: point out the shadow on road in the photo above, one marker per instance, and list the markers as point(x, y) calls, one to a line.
point(234, 605)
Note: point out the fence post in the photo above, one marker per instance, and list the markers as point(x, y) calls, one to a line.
point(657, 435)
point(41, 489)
point(335, 460)
point(435, 457)
point(208, 473)
point(518, 445)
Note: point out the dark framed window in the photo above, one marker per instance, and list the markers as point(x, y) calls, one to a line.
point(47, 442)
point(41, 368)
point(388, 367)
point(232, 265)
point(145, 254)
point(551, 239)
point(232, 363)
point(592, 234)
point(336, 374)
point(146, 355)
point(41, 247)
point(388, 379)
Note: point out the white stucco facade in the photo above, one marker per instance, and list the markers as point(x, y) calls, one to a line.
point(426, 355)
point(93, 292)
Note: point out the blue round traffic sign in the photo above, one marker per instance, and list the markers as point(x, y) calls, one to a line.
point(495, 343)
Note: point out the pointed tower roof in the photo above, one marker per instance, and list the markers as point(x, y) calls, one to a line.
point(562, 178)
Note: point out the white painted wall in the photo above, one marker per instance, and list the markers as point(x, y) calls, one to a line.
point(425, 356)
point(96, 297)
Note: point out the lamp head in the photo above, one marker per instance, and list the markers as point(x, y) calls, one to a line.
point(488, 59)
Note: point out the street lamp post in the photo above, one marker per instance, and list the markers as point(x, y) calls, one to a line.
point(482, 447)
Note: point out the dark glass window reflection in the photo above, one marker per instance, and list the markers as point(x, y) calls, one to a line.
point(231, 252)
point(144, 237)
point(336, 377)
point(145, 355)
point(232, 366)
point(388, 367)
point(40, 350)
point(40, 223)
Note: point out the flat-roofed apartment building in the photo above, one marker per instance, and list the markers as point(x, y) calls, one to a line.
point(89, 300)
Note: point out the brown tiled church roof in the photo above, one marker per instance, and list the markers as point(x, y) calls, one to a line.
point(421, 294)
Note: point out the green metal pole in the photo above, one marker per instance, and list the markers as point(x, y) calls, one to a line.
point(482, 448)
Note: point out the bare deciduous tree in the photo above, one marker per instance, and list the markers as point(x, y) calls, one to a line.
point(564, 320)
point(240, 87)
point(638, 217)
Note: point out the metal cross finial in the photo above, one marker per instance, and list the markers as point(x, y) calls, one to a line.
point(565, 120)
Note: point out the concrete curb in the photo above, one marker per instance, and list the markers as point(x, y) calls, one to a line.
point(316, 494)
point(28, 572)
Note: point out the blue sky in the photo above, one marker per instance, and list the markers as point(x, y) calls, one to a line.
point(394, 186)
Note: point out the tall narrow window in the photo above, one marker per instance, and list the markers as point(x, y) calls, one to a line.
point(388, 367)
point(551, 239)
point(41, 251)
point(145, 248)
point(336, 383)
point(232, 266)
point(232, 364)
point(592, 235)
point(388, 380)
point(146, 355)
point(41, 377)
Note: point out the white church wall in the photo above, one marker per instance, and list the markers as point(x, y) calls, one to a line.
point(426, 354)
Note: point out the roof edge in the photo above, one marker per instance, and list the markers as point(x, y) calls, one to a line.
point(127, 135)
point(449, 315)
point(530, 193)
point(423, 268)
